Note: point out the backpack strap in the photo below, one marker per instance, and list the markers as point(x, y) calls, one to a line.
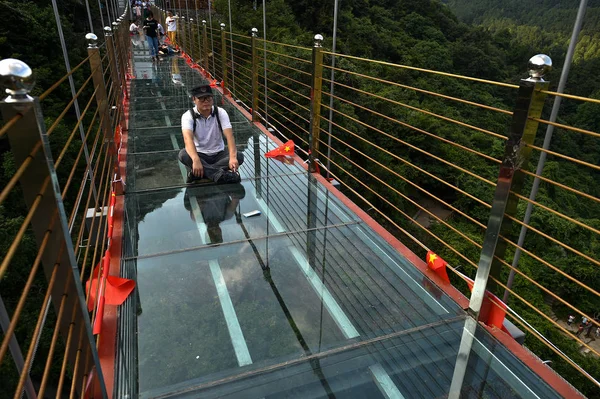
point(215, 114)
point(194, 119)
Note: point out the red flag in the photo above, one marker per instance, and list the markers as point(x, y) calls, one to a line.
point(438, 265)
point(116, 291)
point(286, 149)
point(493, 310)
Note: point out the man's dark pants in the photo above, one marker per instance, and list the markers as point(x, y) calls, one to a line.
point(214, 165)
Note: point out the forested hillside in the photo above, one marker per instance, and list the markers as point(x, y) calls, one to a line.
point(428, 34)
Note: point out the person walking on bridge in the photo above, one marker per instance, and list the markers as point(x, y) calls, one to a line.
point(151, 32)
point(203, 128)
point(171, 22)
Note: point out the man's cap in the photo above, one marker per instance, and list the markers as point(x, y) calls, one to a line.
point(202, 91)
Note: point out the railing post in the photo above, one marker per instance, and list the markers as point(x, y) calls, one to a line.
point(192, 41)
point(224, 84)
point(315, 104)
point(111, 56)
point(205, 45)
point(101, 96)
point(529, 104)
point(255, 117)
point(40, 187)
point(181, 33)
point(99, 85)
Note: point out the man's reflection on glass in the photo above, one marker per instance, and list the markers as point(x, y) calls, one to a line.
point(216, 203)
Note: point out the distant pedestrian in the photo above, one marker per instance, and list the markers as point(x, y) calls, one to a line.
point(151, 32)
point(579, 330)
point(584, 320)
point(570, 320)
point(171, 22)
point(597, 332)
point(589, 328)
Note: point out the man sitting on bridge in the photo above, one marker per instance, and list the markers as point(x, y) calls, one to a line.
point(203, 128)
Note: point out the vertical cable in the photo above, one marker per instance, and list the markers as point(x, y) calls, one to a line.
point(331, 86)
point(265, 62)
point(73, 93)
point(231, 46)
point(101, 15)
point(212, 43)
point(87, 6)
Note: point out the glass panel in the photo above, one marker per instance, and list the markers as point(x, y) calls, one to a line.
point(197, 215)
point(417, 363)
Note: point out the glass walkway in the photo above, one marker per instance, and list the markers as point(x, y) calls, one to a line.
point(302, 300)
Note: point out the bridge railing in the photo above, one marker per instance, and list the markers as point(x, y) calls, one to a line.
point(62, 173)
point(453, 164)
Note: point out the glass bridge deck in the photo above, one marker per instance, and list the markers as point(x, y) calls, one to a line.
point(304, 300)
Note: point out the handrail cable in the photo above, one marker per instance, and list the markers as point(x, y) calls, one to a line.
point(67, 107)
point(547, 291)
point(38, 327)
point(87, 204)
point(409, 126)
point(397, 209)
point(552, 347)
point(63, 301)
point(288, 99)
point(447, 205)
point(242, 67)
point(284, 55)
point(515, 316)
point(411, 146)
point(10, 124)
point(563, 186)
point(566, 127)
point(65, 77)
point(465, 215)
point(566, 157)
point(432, 93)
point(92, 223)
point(67, 144)
point(82, 184)
point(104, 230)
point(286, 45)
point(237, 34)
point(287, 88)
point(471, 196)
point(293, 112)
point(555, 212)
point(452, 75)
point(554, 240)
point(544, 315)
point(244, 91)
point(571, 96)
point(447, 119)
point(24, 226)
point(289, 67)
point(28, 284)
point(101, 230)
point(512, 218)
point(461, 234)
point(237, 50)
point(287, 77)
point(283, 125)
point(288, 119)
point(454, 229)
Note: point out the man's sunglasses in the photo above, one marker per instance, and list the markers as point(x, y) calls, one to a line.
point(204, 99)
